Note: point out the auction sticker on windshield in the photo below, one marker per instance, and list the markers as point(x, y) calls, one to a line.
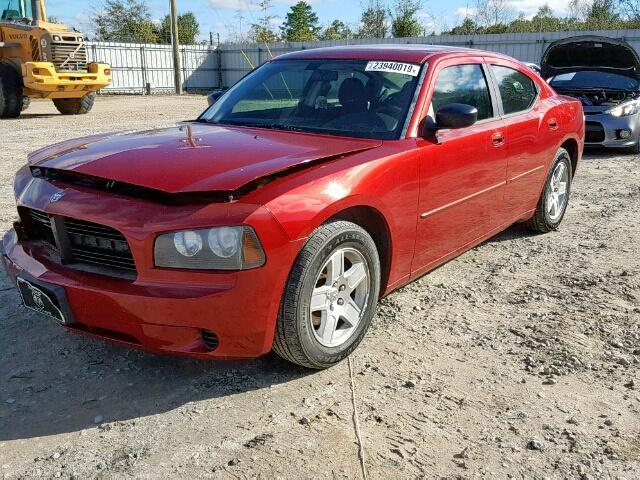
point(393, 67)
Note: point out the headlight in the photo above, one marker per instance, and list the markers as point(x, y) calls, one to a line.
point(625, 109)
point(187, 243)
point(220, 248)
point(224, 242)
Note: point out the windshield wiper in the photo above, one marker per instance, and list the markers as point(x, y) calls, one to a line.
point(269, 126)
point(279, 126)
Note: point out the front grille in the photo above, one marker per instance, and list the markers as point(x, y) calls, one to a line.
point(594, 132)
point(80, 244)
point(69, 55)
point(40, 227)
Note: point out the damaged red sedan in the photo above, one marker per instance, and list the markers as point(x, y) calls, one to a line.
point(317, 184)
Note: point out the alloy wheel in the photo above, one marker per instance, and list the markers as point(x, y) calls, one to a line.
point(558, 193)
point(339, 297)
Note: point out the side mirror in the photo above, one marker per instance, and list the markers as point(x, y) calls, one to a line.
point(214, 96)
point(456, 115)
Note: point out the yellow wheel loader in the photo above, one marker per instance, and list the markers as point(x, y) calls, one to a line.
point(39, 59)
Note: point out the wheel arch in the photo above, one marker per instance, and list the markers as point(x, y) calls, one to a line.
point(571, 146)
point(375, 224)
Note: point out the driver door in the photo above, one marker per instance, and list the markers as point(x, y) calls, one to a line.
point(462, 172)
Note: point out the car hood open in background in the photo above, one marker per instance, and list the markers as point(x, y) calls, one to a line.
point(588, 52)
point(193, 157)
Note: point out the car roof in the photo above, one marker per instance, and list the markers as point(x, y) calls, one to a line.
point(415, 53)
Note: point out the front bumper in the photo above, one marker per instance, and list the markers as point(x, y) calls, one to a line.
point(604, 130)
point(42, 79)
point(162, 310)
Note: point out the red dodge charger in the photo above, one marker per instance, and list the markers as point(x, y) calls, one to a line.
point(318, 183)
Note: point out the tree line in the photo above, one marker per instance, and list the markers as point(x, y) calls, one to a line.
point(131, 21)
point(497, 16)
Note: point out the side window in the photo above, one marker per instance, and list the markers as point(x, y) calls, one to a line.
point(463, 84)
point(517, 90)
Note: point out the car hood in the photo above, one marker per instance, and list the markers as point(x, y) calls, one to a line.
point(589, 52)
point(193, 157)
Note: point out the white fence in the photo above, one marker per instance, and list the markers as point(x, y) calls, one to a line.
point(204, 67)
point(138, 66)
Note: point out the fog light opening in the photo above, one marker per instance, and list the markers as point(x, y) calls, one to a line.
point(625, 133)
point(210, 339)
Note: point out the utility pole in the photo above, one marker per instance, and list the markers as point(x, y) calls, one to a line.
point(175, 41)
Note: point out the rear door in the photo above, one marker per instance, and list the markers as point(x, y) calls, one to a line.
point(462, 175)
point(531, 133)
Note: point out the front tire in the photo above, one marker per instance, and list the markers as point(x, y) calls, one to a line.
point(553, 202)
point(75, 106)
point(10, 92)
point(330, 296)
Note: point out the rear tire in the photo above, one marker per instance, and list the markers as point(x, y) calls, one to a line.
point(75, 106)
point(339, 268)
point(554, 199)
point(10, 92)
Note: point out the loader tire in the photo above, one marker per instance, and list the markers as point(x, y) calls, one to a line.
point(10, 92)
point(75, 106)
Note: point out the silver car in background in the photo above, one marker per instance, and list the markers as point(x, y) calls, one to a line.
point(604, 74)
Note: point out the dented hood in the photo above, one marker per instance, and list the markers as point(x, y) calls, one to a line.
point(590, 52)
point(193, 157)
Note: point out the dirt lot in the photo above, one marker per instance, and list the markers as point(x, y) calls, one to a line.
point(519, 359)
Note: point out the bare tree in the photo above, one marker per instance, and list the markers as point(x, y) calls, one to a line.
point(494, 12)
point(238, 36)
point(579, 9)
point(262, 31)
point(266, 17)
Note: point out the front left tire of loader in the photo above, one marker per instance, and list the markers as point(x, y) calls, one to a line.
point(10, 92)
point(75, 106)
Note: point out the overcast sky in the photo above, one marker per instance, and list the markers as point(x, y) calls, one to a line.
point(221, 16)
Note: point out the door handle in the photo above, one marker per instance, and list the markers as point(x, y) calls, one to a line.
point(497, 139)
point(552, 123)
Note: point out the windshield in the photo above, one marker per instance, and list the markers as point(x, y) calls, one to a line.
point(338, 97)
point(15, 9)
point(594, 79)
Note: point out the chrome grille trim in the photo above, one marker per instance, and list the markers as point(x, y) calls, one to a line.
point(69, 55)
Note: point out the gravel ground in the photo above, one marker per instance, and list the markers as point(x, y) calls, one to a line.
point(519, 359)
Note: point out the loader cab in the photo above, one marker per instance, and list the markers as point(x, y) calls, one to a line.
point(16, 10)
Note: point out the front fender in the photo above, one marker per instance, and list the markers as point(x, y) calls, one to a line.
point(386, 181)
